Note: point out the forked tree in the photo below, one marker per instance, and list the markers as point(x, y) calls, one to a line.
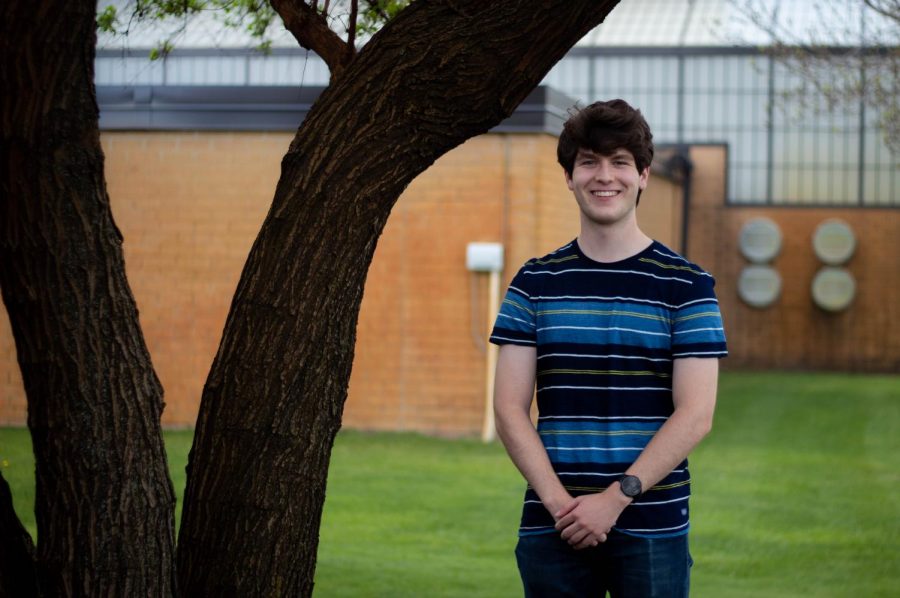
point(437, 73)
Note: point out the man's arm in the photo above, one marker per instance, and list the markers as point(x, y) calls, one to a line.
point(513, 393)
point(588, 518)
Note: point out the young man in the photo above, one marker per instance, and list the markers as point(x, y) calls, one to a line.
point(621, 336)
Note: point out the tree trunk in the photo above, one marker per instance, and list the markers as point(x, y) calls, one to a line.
point(17, 572)
point(440, 73)
point(104, 502)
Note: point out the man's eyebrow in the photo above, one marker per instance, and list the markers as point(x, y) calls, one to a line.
point(620, 153)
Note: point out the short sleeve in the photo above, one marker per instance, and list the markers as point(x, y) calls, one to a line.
point(697, 329)
point(515, 324)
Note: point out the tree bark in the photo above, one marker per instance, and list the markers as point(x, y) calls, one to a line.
point(438, 74)
point(104, 502)
point(18, 576)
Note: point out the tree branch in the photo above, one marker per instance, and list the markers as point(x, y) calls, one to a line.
point(351, 28)
point(312, 32)
point(886, 8)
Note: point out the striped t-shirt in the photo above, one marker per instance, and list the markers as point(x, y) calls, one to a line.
point(606, 336)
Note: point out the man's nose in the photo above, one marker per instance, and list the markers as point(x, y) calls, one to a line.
point(603, 172)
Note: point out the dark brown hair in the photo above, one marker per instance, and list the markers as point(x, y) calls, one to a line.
point(604, 127)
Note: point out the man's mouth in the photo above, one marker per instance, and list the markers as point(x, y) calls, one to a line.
point(604, 193)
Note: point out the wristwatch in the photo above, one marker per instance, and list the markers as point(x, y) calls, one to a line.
point(630, 486)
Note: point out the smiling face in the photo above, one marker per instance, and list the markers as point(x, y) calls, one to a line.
point(606, 187)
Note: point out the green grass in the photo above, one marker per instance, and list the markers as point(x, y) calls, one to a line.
point(411, 516)
point(795, 495)
point(795, 491)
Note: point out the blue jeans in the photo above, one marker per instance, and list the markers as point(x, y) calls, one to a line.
point(625, 566)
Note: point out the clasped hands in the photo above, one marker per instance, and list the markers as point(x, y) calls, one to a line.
point(587, 520)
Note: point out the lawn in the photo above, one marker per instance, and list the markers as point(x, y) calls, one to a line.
point(795, 494)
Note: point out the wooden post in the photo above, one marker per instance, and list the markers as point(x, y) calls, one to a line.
point(489, 431)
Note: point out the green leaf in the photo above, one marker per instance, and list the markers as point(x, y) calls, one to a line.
point(107, 20)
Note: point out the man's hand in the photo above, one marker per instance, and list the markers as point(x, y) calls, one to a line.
point(588, 519)
point(561, 502)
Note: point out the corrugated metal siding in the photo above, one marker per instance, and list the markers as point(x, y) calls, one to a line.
point(780, 152)
point(210, 67)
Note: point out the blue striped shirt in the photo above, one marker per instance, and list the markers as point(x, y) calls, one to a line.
point(606, 335)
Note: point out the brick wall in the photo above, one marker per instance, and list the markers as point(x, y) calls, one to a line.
point(13, 408)
point(420, 359)
point(417, 364)
point(659, 212)
point(794, 333)
point(190, 205)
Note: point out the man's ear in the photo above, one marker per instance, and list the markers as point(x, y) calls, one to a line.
point(645, 178)
point(568, 180)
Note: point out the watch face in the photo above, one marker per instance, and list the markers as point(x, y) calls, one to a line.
point(631, 486)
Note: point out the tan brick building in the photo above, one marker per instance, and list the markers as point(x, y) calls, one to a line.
point(190, 203)
point(795, 333)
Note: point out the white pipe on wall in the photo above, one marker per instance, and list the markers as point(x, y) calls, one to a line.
point(489, 431)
